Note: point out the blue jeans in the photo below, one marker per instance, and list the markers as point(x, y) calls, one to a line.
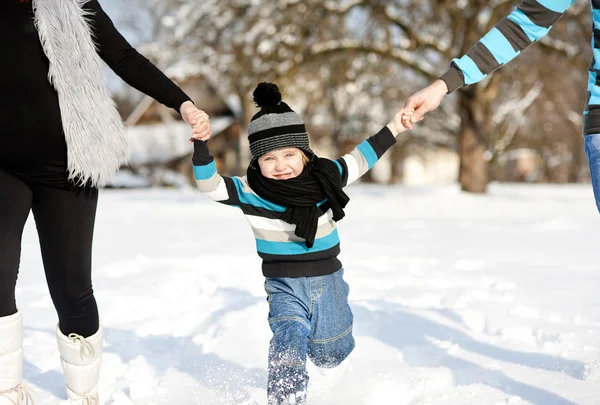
point(308, 316)
point(592, 151)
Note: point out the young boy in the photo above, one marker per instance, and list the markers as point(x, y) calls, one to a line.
point(292, 200)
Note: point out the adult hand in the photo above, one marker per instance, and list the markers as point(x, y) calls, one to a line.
point(425, 101)
point(399, 123)
point(198, 120)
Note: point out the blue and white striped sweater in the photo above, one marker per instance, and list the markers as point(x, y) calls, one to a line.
point(284, 254)
point(527, 24)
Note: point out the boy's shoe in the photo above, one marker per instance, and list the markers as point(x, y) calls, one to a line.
point(298, 398)
point(323, 380)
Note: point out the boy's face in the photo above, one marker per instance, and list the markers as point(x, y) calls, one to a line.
point(282, 164)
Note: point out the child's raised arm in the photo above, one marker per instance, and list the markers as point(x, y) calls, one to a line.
point(212, 184)
point(356, 163)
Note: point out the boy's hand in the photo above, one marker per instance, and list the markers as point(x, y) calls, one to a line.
point(198, 120)
point(401, 121)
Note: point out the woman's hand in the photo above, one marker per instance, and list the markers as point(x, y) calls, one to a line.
point(198, 120)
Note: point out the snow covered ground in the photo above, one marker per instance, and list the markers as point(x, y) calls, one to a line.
point(458, 299)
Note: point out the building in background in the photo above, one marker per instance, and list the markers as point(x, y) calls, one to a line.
point(160, 154)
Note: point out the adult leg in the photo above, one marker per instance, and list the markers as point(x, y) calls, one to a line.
point(65, 222)
point(592, 151)
point(15, 204)
point(289, 319)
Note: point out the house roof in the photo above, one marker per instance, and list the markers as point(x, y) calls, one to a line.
point(181, 72)
point(160, 143)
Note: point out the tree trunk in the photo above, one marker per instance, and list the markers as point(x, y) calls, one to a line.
point(474, 170)
point(249, 109)
point(580, 163)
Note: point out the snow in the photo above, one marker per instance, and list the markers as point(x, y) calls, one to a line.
point(458, 299)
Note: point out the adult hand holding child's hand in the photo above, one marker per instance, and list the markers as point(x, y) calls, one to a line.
point(198, 120)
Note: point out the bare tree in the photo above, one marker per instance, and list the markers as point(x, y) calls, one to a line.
point(491, 112)
point(329, 47)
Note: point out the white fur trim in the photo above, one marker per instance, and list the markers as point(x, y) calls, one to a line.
point(95, 134)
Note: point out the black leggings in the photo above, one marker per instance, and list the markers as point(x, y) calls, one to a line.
point(65, 225)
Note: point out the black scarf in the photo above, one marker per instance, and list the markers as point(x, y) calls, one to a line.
point(320, 179)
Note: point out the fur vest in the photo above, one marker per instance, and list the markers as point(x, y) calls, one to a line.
point(94, 131)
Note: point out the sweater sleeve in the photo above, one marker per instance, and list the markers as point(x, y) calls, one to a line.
point(218, 188)
point(129, 64)
point(528, 23)
point(356, 163)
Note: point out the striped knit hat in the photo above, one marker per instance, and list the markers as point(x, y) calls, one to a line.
point(276, 125)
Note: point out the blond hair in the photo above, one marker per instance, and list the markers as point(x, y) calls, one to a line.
point(305, 158)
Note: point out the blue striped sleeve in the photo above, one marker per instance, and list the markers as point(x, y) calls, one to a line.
point(365, 155)
point(368, 152)
point(500, 47)
point(528, 23)
point(470, 70)
point(209, 182)
point(533, 31)
point(558, 6)
point(205, 172)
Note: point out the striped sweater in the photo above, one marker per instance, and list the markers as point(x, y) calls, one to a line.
point(283, 253)
point(528, 23)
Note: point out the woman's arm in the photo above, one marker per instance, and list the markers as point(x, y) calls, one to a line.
point(129, 64)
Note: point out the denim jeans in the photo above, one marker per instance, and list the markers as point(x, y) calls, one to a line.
point(592, 151)
point(309, 316)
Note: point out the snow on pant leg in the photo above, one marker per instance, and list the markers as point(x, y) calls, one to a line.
point(15, 204)
point(330, 340)
point(592, 151)
point(289, 319)
point(65, 223)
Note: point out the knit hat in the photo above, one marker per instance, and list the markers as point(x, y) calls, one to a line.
point(276, 125)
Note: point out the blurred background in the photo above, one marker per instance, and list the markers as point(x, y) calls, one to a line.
point(346, 66)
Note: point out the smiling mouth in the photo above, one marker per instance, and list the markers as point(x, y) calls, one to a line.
point(282, 176)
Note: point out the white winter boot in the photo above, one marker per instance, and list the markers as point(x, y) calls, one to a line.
point(80, 359)
point(12, 392)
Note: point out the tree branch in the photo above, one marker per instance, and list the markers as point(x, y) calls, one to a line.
point(406, 58)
